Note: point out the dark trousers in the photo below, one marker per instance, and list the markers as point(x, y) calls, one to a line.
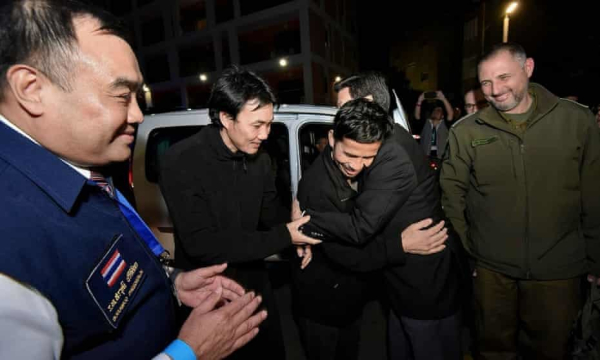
point(414, 339)
point(324, 342)
point(268, 344)
point(529, 318)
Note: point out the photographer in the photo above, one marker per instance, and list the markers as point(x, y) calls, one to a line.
point(435, 132)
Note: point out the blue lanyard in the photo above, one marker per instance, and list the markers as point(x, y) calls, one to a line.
point(139, 225)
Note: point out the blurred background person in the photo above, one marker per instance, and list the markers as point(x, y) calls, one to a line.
point(435, 132)
point(474, 101)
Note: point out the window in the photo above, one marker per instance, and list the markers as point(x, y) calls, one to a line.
point(224, 10)
point(270, 41)
point(312, 140)
point(320, 84)
point(157, 68)
point(351, 16)
point(336, 48)
point(225, 49)
point(153, 31)
point(119, 7)
point(351, 53)
point(277, 146)
point(318, 34)
point(288, 84)
point(251, 6)
point(195, 59)
point(159, 141)
point(192, 15)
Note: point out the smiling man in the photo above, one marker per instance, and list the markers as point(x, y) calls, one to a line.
point(220, 191)
point(520, 185)
point(80, 274)
point(396, 193)
point(328, 297)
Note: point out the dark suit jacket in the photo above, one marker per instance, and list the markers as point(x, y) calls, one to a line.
point(333, 289)
point(397, 190)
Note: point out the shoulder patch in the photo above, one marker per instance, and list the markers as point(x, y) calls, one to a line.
point(485, 141)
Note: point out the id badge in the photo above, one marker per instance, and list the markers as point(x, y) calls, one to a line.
point(116, 279)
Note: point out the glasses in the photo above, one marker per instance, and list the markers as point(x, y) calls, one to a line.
point(482, 103)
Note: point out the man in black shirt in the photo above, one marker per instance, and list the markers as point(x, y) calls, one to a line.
point(219, 189)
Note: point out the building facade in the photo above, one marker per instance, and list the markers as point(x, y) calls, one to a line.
point(298, 46)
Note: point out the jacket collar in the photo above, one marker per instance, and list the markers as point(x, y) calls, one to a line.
point(218, 147)
point(57, 179)
point(342, 188)
point(546, 101)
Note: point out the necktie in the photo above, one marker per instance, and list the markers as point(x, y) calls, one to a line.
point(101, 181)
point(433, 148)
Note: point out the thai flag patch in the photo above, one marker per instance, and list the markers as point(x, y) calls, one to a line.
point(113, 268)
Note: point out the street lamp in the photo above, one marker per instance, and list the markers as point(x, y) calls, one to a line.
point(147, 96)
point(509, 10)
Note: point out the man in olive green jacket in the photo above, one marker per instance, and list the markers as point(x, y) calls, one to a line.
point(521, 185)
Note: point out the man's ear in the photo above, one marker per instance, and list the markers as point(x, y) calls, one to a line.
point(331, 138)
point(26, 84)
point(529, 65)
point(226, 119)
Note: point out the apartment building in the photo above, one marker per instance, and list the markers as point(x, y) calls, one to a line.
point(299, 46)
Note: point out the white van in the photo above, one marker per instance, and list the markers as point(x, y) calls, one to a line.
point(292, 145)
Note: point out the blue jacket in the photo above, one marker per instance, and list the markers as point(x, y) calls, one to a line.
point(66, 238)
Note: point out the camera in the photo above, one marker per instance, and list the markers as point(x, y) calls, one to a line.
point(430, 95)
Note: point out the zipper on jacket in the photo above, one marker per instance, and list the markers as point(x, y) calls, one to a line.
point(526, 235)
point(513, 156)
point(522, 153)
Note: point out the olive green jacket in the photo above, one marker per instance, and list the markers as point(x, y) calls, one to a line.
point(527, 204)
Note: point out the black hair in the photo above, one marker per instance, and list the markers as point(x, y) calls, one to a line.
point(233, 89)
point(514, 49)
point(41, 34)
point(364, 84)
point(363, 121)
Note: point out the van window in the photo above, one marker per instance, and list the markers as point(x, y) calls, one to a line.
point(312, 140)
point(159, 141)
point(278, 148)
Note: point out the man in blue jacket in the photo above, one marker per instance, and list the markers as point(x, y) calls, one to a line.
point(73, 247)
